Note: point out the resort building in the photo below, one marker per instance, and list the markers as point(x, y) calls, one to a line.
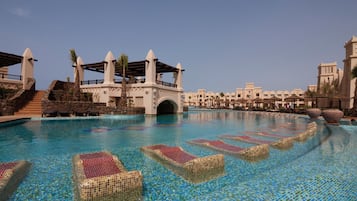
point(335, 87)
point(348, 84)
point(312, 88)
point(328, 73)
point(4, 71)
point(248, 97)
point(146, 85)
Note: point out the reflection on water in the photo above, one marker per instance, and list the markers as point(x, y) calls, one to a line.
point(168, 120)
point(339, 141)
point(50, 145)
point(22, 134)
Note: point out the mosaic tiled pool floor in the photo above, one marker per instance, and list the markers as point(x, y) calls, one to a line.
point(322, 168)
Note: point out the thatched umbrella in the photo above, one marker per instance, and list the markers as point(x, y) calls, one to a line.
point(294, 98)
point(258, 101)
point(272, 100)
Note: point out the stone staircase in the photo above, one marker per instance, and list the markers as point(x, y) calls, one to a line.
point(33, 107)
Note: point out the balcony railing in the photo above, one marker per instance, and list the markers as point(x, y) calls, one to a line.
point(168, 84)
point(87, 82)
point(10, 76)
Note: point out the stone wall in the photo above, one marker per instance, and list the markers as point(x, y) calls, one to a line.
point(16, 102)
point(59, 101)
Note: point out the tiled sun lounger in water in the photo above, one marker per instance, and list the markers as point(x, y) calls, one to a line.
point(190, 167)
point(265, 134)
point(284, 143)
point(101, 176)
point(254, 153)
point(301, 136)
point(310, 131)
point(11, 174)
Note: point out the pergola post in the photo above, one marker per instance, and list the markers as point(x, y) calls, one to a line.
point(109, 68)
point(27, 65)
point(150, 68)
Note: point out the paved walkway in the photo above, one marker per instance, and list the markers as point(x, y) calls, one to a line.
point(4, 119)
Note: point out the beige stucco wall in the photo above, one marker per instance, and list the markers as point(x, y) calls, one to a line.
point(202, 98)
point(350, 61)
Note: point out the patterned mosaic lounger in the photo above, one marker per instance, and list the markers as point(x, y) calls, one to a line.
point(254, 153)
point(310, 131)
point(101, 176)
point(11, 174)
point(284, 143)
point(263, 133)
point(190, 167)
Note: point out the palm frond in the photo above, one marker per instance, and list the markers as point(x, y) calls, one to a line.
point(73, 55)
point(123, 61)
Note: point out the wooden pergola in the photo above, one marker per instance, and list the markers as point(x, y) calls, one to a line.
point(7, 59)
point(136, 68)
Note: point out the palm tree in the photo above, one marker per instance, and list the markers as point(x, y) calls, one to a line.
point(354, 75)
point(123, 66)
point(73, 57)
point(311, 95)
point(330, 90)
point(221, 95)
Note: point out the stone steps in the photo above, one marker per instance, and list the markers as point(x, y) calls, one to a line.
point(33, 107)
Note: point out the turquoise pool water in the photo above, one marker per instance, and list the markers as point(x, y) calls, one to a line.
point(322, 168)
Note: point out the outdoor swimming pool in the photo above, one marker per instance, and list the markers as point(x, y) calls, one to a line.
point(321, 168)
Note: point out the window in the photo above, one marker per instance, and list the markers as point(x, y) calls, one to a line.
point(238, 95)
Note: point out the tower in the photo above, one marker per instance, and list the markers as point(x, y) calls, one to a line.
point(348, 84)
point(328, 73)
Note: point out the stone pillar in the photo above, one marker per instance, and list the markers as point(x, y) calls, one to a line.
point(150, 68)
point(109, 68)
point(80, 70)
point(348, 84)
point(150, 79)
point(27, 68)
point(178, 77)
point(178, 82)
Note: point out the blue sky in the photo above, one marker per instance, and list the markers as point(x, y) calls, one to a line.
point(276, 44)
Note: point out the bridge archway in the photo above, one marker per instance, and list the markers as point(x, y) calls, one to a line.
point(167, 107)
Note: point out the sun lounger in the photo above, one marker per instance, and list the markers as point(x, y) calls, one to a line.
point(190, 167)
point(310, 131)
point(11, 174)
point(101, 176)
point(284, 143)
point(263, 133)
point(254, 153)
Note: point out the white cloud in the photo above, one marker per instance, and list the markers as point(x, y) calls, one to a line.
point(20, 12)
